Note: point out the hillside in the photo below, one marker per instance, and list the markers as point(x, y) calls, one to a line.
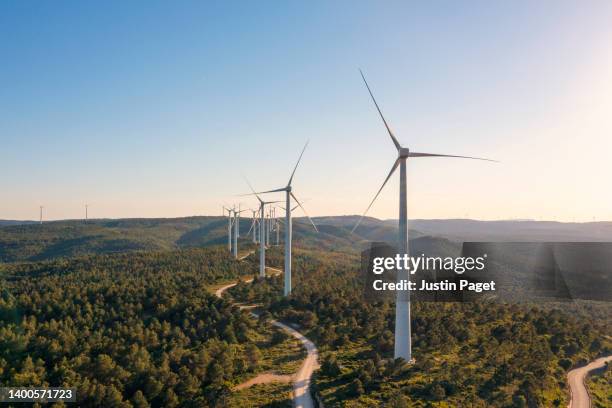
point(135, 329)
point(57, 239)
point(478, 354)
point(33, 241)
point(5, 223)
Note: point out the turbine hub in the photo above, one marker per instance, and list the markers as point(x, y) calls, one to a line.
point(288, 189)
point(404, 152)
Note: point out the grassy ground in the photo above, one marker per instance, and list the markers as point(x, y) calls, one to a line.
point(283, 358)
point(275, 395)
point(336, 391)
point(279, 354)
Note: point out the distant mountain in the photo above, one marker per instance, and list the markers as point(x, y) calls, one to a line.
point(513, 230)
point(461, 230)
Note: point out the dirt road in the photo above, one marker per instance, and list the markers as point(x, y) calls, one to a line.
point(301, 380)
point(580, 397)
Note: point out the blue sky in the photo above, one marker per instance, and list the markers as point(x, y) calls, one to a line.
point(157, 108)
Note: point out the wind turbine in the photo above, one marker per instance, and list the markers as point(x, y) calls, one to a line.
point(254, 226)
point(403, 347)
point(268, 226)
point(236, 229)
point(41, 213)
point(288, 195)
point(86, 215)
point(229, 227)
point(262, 238)
point(276, 228)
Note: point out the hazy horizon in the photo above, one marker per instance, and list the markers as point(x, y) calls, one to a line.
point(303, 216)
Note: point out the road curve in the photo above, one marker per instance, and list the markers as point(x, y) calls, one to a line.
point(301, 380)
point(579, 395)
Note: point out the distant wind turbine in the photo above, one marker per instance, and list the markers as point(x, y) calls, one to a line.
point(288, 195)
point(254, 226)
point(262, 238)
point(403, 346)
point(41, 213)
point(237, 229)
point(229, 227)
point(276, 228)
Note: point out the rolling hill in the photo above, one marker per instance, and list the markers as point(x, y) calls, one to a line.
point(32, 241)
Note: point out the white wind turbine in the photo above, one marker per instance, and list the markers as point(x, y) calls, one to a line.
point(403, 347)
point(236, 229)
point(229, 227)
point(262, 231)
point(254, 226)
point(288, 195)
point(269, 226)
point(276, 228)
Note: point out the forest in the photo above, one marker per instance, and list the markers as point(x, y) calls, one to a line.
point(136, 329)
point(478, 354)
point(131, 326)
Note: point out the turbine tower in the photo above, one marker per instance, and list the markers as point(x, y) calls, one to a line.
point(403, 347)
point(268, 225)
point(288, 195)
point(86, 215)
point(279, 221)
point(41, 213)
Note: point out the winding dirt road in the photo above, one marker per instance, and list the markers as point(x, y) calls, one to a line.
point(580, 397)
point(301, 380)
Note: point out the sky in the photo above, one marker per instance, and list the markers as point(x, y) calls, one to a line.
point(159, 109)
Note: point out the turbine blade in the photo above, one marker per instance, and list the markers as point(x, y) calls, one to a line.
point(376, 196)
point(416, 154)
point(397, 144)
point(271, 202)
point(250, 229)
point(296, 164)
point(278, 190)
point(251, 187)
point(303, 209)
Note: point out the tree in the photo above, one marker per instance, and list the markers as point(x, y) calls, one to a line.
point(356, 388)
point(253, 356)
point(519, 401)
point(139, 401)
point(170, 399)
point(437, 392)
point(330, 366)
point(398, 400)
point(565, 363)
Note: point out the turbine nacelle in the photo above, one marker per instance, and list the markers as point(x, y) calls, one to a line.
point(403, 152)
